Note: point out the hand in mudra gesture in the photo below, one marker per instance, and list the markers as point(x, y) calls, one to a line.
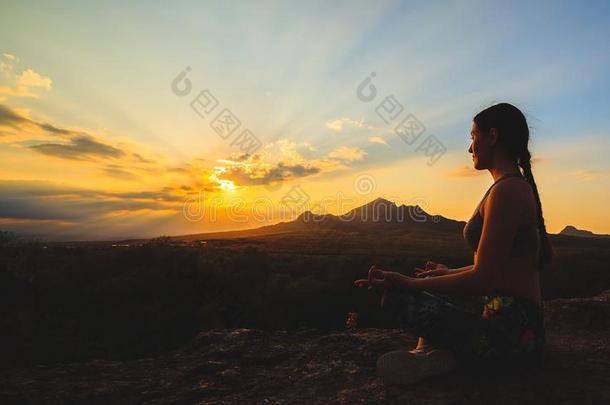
point(380, 279)
point(432, 269)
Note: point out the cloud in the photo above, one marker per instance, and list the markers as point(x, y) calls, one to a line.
point(279, 161)
point(55, 130)
point(6, 64)
point(465, 171)
point(118, 161)
point(13, 122)
point(470, 171)
point(243, 175)
point(282, 160)
point(306, 149)
point(51, 209)
point(347, 153)
point(29, 78)
point(25, 84)
point(10, 118)
point(340, 124)
point(588, 175)
point(81, 147)
point(377, 139)
point(44, 206)
point(65, 143)
point(45, 200)
point(119, 172)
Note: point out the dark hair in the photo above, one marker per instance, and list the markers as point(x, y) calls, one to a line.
point(513, 136)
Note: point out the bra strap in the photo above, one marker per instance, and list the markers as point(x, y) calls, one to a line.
point(507, 175)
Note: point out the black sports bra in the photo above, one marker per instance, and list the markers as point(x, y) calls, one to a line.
point(527, 239)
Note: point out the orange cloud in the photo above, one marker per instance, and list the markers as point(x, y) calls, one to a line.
point(347, 153)
point(24, 84)
point(587, 174)
point(465, 171)
point(340, 124)
point(377, 139)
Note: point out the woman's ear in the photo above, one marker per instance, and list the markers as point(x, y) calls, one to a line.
point(493, 136)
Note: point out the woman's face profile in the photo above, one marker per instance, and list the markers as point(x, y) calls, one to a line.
point(478, 148)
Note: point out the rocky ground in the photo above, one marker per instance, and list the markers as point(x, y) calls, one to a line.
point(245, 366)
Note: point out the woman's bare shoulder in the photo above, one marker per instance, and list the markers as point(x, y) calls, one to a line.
point(521, 194)
point(515, 192)
point(514, 185)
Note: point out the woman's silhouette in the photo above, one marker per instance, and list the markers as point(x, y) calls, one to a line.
point(489, 313)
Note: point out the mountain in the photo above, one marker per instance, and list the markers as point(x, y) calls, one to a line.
point(572, 231)
point(379, 215)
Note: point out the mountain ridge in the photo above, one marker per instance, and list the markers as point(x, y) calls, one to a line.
point(379, 214)
point(376, 215)
point(570, 230)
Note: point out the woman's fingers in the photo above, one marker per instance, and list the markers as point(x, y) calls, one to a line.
point(370, 275)
point(418, 271)
point(375, 278)
point(376, 272)
point(370, 284)
point(361, 282)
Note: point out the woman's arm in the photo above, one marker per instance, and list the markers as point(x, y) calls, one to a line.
point(461, 269)
point(439, 270)
point(465, 282)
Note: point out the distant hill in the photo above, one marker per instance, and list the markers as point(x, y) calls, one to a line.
point(379, 215)
point(572, 231)
point(375, 217)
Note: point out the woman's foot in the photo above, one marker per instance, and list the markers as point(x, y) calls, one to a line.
point(402, 367)
point(422, 346)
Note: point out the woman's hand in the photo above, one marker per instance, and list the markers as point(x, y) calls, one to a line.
point(382, 279)
point(432, 269)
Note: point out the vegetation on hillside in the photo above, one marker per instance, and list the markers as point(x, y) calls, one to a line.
point(72, 302)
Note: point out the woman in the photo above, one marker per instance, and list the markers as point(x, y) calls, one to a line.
point(489, 313)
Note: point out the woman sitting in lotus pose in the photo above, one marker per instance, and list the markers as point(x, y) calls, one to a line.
point(488, 313)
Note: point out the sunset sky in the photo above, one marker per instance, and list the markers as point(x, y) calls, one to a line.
point(97, 143)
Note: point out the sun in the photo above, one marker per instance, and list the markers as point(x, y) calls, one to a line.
point(223, 184)
point(226, 185)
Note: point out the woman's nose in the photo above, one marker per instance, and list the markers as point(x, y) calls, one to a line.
point(470, 148)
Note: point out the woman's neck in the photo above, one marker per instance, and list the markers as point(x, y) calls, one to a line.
point(503, 168)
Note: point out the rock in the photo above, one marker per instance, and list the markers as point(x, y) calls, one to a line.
point(589, 313)
point(312, 366)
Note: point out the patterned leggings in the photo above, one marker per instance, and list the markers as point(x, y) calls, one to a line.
point(496, 330)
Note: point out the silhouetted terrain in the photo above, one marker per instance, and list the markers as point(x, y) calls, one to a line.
point(572, 231)
point(73, 302)
point(379, 215)
point(129, 300)
point(243, 366)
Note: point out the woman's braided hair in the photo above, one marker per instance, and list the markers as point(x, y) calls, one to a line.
point(514, 137)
